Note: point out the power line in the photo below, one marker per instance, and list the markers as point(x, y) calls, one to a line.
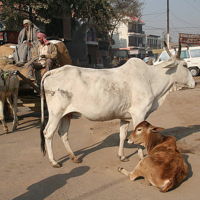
point(156, 16)
point(192, 6)
point(197, 2)
point(151, 13)
point(183, 21)
point(154, 13)
point(173, 26)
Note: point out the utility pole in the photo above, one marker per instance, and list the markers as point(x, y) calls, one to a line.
point(168, 23)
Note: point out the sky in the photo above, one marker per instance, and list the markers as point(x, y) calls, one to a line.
point(184, 17)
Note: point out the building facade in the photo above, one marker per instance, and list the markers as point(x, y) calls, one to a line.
point(131, 41)
point(88, 48)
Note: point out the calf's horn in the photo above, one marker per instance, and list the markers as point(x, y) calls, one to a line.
point(167, 50)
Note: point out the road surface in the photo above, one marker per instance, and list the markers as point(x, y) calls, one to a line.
point(26, 175)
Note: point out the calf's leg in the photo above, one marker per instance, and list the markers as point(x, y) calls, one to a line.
point(63, 132)
point(133, 174)
point(140, 170)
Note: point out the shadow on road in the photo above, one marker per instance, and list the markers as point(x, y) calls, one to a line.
point(47, 186)
point(25, 125)
point(181, 132)
point(113, 141)
point(190, 172)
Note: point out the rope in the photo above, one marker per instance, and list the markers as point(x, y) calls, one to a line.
point(29, 62)
point(8, 74)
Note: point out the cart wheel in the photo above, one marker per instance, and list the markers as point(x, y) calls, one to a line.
point(7, 113)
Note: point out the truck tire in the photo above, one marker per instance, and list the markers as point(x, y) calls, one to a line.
point(194, 71)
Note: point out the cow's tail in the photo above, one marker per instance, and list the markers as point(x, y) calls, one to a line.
point(42, 113)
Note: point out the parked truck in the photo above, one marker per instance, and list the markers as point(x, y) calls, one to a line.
point(190, 54)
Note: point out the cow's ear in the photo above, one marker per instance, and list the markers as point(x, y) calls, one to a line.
point(170, 63)
point(156, 129)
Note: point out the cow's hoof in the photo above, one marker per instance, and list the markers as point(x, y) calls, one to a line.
point(58, 165)
point(120, 169)
point(124, 159)
point(76, 160)
point(14, 128)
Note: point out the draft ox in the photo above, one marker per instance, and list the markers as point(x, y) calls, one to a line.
point(9, 86)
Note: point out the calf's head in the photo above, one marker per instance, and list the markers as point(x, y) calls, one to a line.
point(143, 133)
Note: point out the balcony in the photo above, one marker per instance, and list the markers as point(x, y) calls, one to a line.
point(136, 34)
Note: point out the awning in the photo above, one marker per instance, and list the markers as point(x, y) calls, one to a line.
point(158, 51)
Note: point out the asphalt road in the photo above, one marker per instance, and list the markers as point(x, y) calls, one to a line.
point(26, 175)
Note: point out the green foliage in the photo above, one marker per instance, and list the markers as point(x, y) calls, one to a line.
point(14, 11)
point(124, 9)
point(95, 12)
point(103, 14)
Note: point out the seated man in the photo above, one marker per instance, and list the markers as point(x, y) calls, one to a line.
point(44, 56)
point(27, 40)
point(115, 62)
point(148, 60)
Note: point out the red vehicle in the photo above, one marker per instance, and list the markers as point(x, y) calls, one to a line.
point(8, 37)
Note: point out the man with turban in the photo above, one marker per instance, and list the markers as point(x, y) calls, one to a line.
point(44, 56)
point(27, 40)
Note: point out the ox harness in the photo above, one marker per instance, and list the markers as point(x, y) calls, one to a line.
point(7, 75)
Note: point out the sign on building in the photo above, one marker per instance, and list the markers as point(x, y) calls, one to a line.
point(133, 52)
point(189, 38)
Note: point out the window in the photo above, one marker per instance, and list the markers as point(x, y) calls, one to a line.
point(195, 53)
point(184, 54)
point(164, 56)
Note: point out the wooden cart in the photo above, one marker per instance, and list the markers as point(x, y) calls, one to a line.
point(29, 92)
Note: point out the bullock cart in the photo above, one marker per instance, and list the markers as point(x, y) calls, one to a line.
point(29, 92)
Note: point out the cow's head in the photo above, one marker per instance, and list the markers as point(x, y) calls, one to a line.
point(142, 133)
point(181, 75)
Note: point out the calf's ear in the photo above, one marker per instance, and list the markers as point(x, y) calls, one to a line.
point(156, 129)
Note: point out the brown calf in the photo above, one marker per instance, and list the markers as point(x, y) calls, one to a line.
point(164, 166)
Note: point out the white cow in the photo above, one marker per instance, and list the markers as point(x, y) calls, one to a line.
point(131, 91)
point(9, 86)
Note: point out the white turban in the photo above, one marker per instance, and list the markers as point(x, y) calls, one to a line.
point(27, 21)
point(30, 29)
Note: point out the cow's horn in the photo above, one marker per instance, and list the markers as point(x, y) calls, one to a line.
point(179, 51)
point(167, 50)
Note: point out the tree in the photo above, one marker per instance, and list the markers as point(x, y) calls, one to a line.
point(14, 11)
point(123, 10)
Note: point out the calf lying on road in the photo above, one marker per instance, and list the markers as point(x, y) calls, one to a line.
point(164, 166)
